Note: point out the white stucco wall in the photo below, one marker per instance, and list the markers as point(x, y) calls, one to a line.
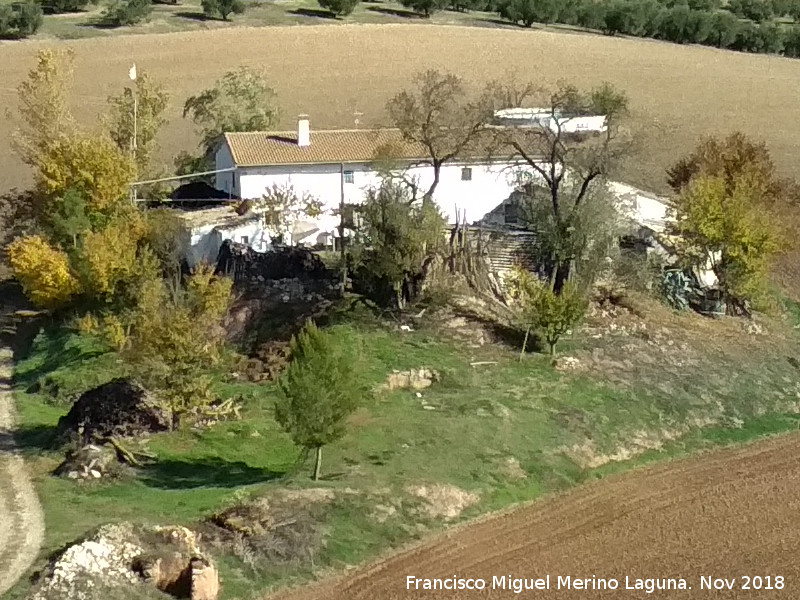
point(206, 240)
point(489, 185)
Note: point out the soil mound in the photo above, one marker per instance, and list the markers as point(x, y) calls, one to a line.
point(119, 408)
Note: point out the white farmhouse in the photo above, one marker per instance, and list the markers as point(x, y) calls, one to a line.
point(338, 166)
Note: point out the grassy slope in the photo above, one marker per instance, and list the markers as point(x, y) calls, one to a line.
point(482, 416)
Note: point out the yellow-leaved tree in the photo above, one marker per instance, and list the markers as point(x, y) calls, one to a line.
point(43, 271)
point(173, 335)
point(106, 258)
point(91, 165)
point(727, 211)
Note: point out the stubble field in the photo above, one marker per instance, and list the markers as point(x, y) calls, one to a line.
point(724, 515)
point(330, 72)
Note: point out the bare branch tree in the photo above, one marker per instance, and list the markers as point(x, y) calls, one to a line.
point(440, 116)
point(560, 164)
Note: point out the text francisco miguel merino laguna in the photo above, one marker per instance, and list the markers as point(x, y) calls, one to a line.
point(518, 585)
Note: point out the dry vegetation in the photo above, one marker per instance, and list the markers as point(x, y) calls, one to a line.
point(678, 92)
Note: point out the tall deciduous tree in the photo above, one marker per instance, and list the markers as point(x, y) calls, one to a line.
point(728, 207)
point(439, 115)
point(151, 102)
point(562, 172)
point(319, 390)
point(240, 100)
point(44, 105)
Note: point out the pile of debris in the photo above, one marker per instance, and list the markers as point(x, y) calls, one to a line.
point(283, 262)
point(99, 420)
point(119, 408)
point(145, 561)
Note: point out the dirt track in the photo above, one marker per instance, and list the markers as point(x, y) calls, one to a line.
point(21, 519)
point(727, 514)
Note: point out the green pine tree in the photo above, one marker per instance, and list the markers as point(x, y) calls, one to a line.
point(319, 390)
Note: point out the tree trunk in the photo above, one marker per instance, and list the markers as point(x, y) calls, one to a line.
point(318, 463)
point(561, 277)
point(552, 348)
point(524, 343)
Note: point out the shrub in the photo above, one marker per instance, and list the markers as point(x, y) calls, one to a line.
point(20, 21)
point(424, 7)
point(64, 6)
point(724, 28)
point(551, 314)
point(29, 18)
point(126, 12)
point(339, 8)
point(223, 8)
point(592, 14)
point(755, 10)
point(7, 21)
point(43, 271)
point(107, 258)
point(529, 12)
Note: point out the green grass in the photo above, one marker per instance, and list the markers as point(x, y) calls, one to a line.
point(481, 417)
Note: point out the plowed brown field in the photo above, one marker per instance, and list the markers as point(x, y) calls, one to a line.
point(727, 514)
point(677, 92)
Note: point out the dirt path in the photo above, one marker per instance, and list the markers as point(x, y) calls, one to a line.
point(21, 520)
point(727, 514)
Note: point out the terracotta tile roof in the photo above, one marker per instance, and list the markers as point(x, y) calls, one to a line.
point(258, 149)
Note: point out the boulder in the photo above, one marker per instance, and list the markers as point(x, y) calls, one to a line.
point(120, 408)
point(414, 379)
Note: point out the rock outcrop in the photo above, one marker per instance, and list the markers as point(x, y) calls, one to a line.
point(145, 562)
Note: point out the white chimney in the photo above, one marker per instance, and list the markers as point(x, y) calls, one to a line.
point(303, 131)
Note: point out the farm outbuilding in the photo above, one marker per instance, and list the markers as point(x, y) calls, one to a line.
point(210, 227)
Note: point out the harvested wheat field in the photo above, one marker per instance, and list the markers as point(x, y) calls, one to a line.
point(727, 515)
point(329, 72)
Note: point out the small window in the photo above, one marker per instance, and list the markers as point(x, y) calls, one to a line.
point(245, 239)
point(466, 174)
point(511, 213)
point(348, 177)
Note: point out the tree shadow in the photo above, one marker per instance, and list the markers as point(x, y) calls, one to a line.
point(395, 12)
point(19, 326)
point(177, 474)
point(501, 23)
point(313, 12)
point(57, 356)
point(100, 24)
point(194, 16)
point(513, 337)
point(34, 439)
